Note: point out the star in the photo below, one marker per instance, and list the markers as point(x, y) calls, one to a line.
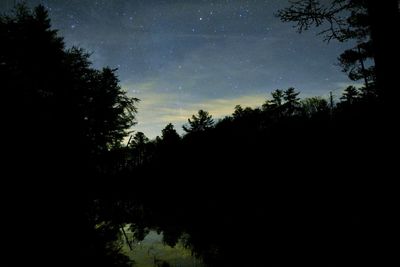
point(214, 47)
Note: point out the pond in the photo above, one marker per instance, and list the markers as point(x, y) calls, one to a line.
point(151, 251)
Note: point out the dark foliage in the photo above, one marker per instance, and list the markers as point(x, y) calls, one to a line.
point(293, 182)
point(60, 119)
point(267, 187)
point(373, 24)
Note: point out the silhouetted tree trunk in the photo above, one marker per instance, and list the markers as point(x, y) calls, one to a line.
point(384, 21)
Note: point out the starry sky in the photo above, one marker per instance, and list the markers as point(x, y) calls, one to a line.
point(179, 56)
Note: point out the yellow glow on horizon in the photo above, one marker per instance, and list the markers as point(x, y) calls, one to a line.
point(157, 110)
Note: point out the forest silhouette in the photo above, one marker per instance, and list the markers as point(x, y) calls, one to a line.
point(294, 181)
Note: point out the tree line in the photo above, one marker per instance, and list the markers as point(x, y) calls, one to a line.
point(61, 117)
point(276, 185)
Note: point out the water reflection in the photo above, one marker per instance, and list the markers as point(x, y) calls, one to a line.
point(152, 252)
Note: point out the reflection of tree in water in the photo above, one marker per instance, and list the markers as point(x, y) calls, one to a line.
point(153, 250)
point(153, 253)
point(197, 184)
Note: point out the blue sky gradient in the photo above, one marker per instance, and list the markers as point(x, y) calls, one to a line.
point(182, 56)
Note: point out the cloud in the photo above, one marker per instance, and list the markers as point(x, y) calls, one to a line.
point(177, 63)
point(344, 85)
point(218, 108)
point(158, 109)
point(217, 77)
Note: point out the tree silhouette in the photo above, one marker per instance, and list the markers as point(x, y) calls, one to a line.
point(139, 145)
point(248, 190)
point(169, 135)
point(140, 139)
point(291, 101)
point(352, 62)
point(238, 111)
point(199, 123)
point(330, 15)
point(274, 106)
point(62, 118)
point(314, 105)
point(284, 103)
point(355, 19)
point(243, 175)
point(277, 97)
point(350, 95)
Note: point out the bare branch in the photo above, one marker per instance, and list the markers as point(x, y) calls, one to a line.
point(307, 13)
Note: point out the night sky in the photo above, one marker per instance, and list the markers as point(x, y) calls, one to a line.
point(184, 55)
